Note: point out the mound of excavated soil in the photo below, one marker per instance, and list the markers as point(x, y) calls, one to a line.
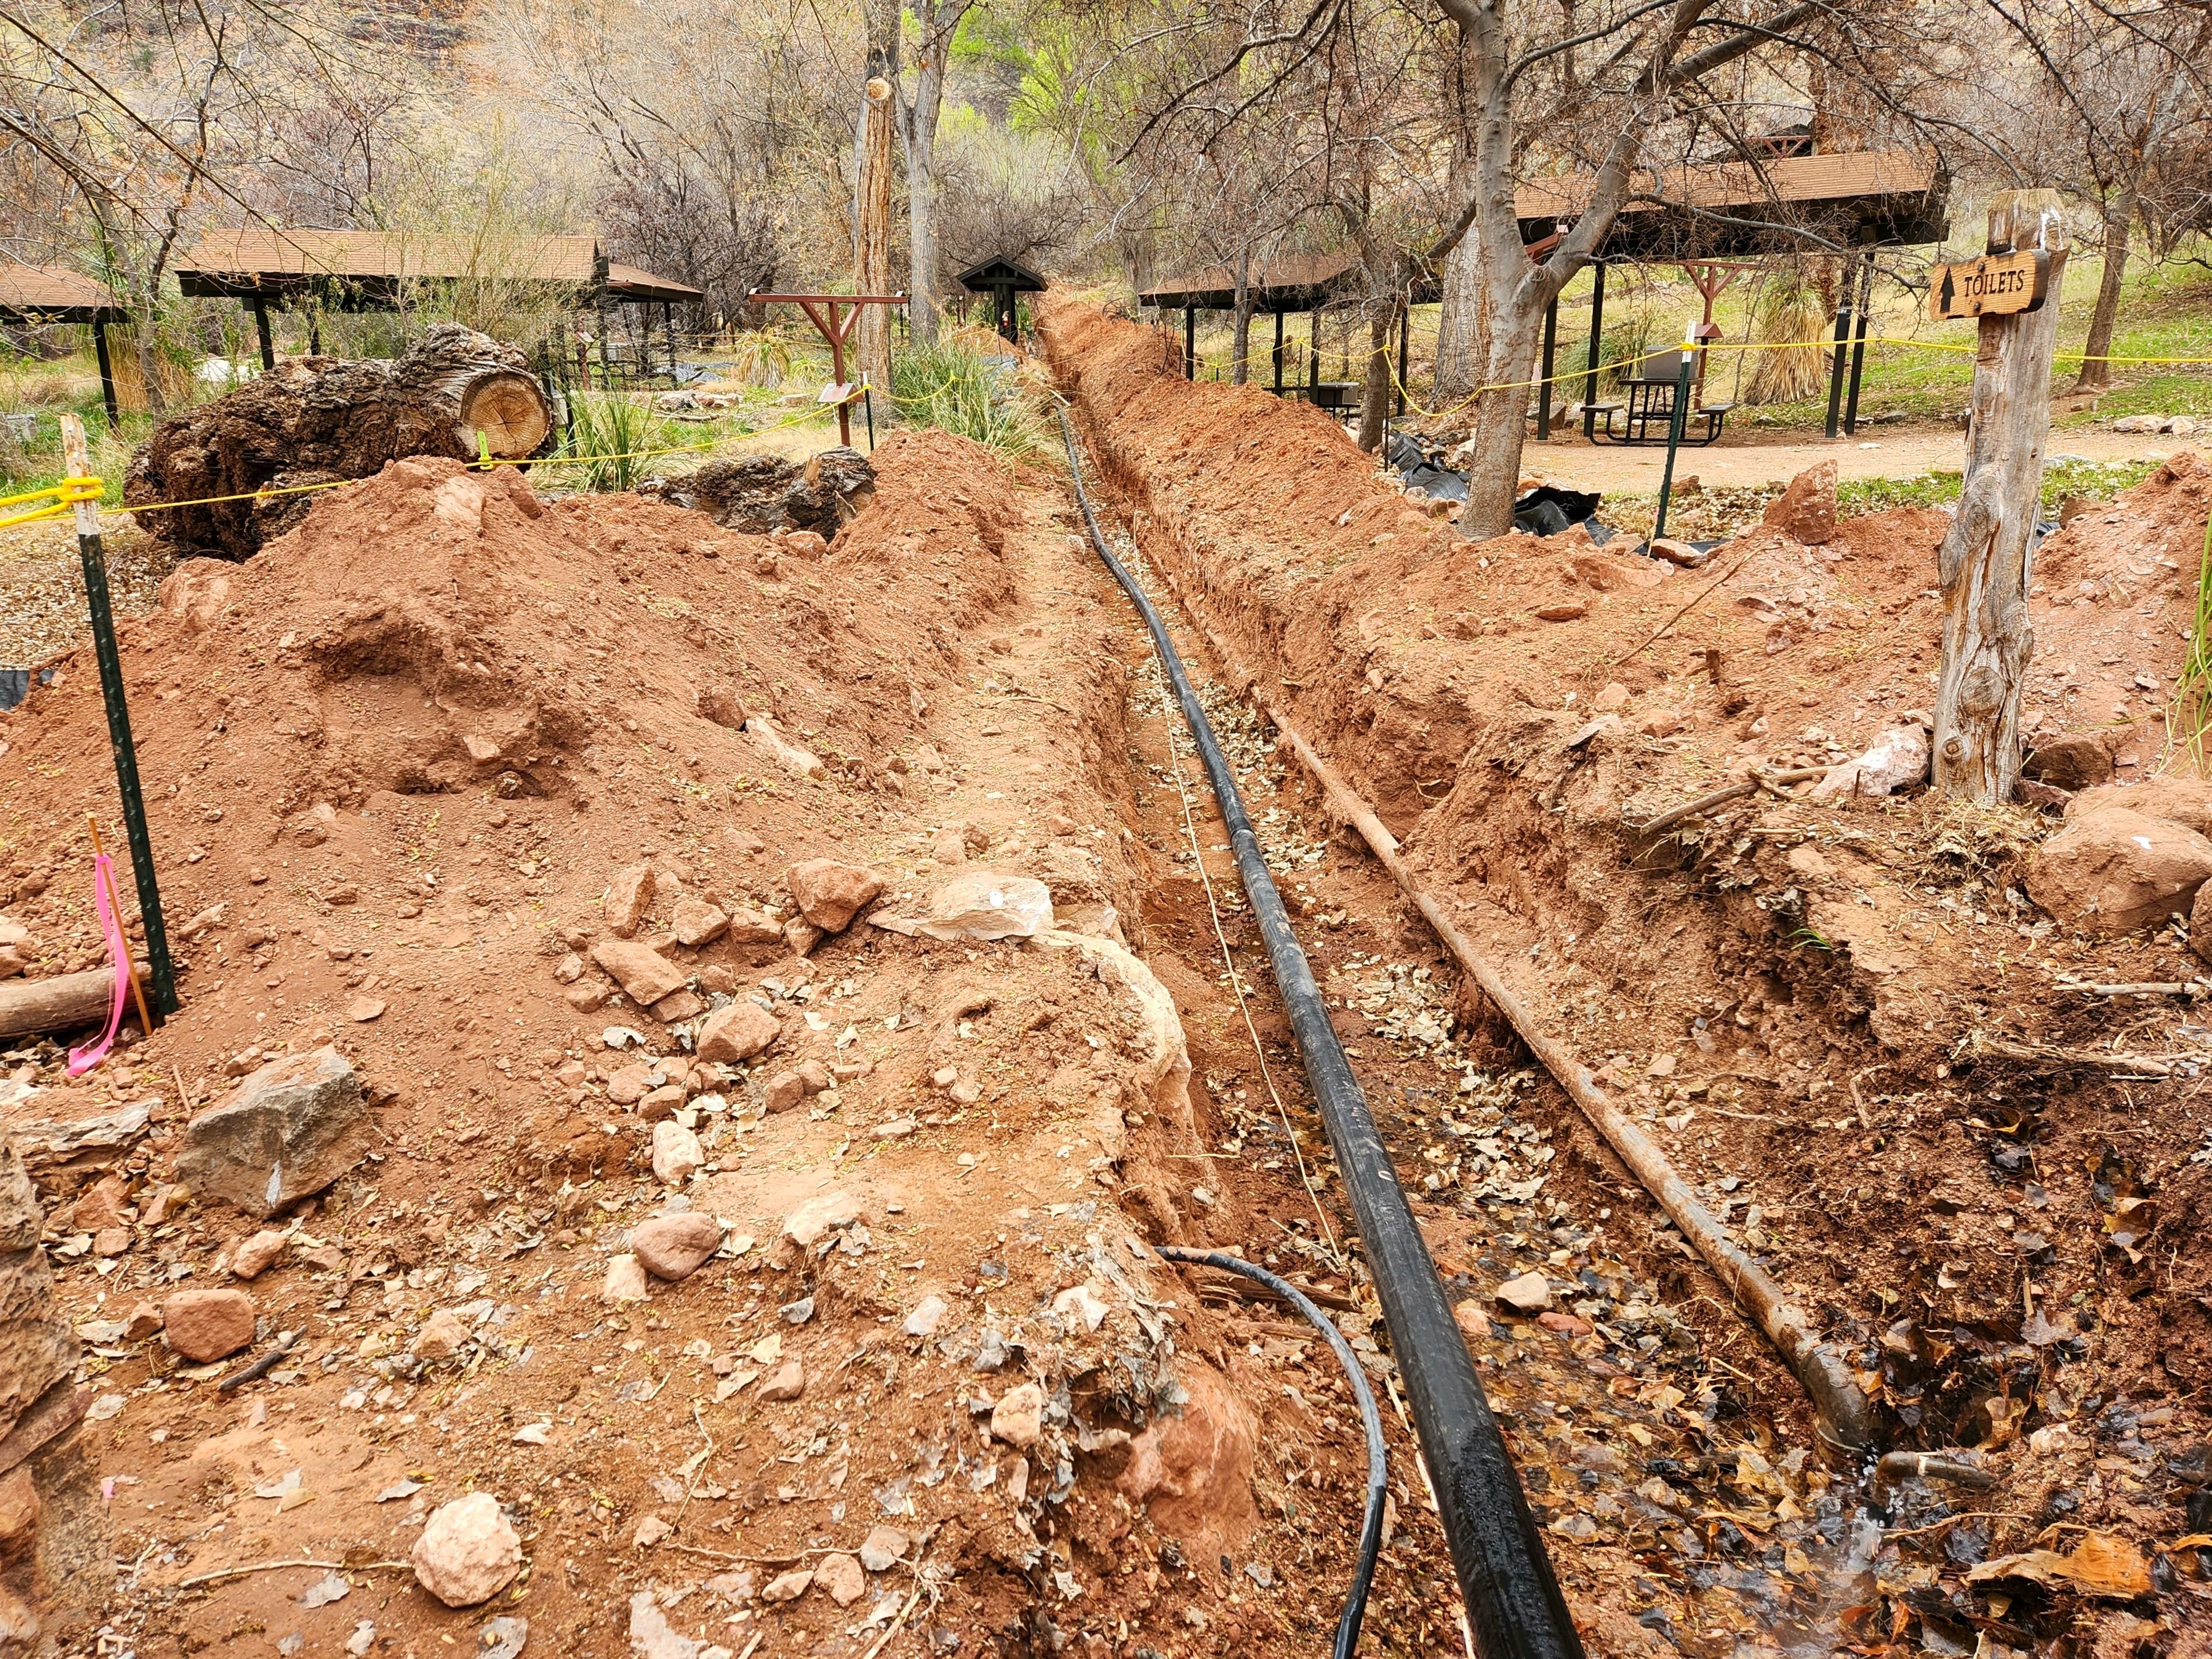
point(408, 768)
point(1804, 1002)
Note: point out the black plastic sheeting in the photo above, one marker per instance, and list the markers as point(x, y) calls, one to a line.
point(15, 685)
point(1514, 1603)
point(1544, 511)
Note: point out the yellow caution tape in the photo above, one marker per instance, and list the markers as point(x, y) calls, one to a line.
point(60, 499)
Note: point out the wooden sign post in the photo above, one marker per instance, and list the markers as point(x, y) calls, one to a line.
point(1984, 563)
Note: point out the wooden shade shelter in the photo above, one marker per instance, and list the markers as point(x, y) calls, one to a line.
point(370, 270)
point(1710, 218)
point(1002, 279)
point(31, 295)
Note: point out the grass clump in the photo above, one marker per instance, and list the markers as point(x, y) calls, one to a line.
point(608, 432)
point(948, 385)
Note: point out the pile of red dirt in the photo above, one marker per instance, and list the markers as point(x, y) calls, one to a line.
point(415, 772)
point(1845, 1021)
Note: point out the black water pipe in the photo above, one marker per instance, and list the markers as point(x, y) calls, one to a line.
point(1513, 1604)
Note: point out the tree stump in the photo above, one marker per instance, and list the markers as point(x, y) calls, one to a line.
point(314, 420)
point(1982, 564)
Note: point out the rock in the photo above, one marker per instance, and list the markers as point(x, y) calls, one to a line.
point(696, 922)
point(1896, 759)
point(111, 1241)
point(749, 927)
point(2114, 871)
point(145, 1321)
point(1570, 611)
point(881, 1549)
point(2139, 424)
point(677, 1154)
point(787, 1381)
point(652, 1637)
point(287, 1131)
point(104, 1204)
point(928, 1313)
point(204, 1325)
point(1806, 511)
point(820, 1216)
point(842, 1576)
point(976, 904)
point(625, 1280)
point(258, 1253)
point(831, 894)
point(948, 847)
point(362, 1010)
point(2178, 799)
point(1610, 699)
point(644, 973)
point(569, 969)
point(650, 1531)
point(628, 1084)
point(1080, 1305)
point(785, 1091)
point(663, 1102)
point(1018, 1418)
point(629, 896)
point(1471, 1321)
point(1192, 1468)
point(795, 758)
point(737, 1033)
point(1679, 553)
point(675, 1247)
point(814, 1075)
point(2080, 761)
point(585, 999)
point(442, 1336)
point(1565, 1323)
point(1530, 1293)
point(801, 936)
point(679, 1005)
point(467, 1552)
point(787, 1586)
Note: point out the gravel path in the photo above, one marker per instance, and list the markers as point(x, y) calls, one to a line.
point(42, 587)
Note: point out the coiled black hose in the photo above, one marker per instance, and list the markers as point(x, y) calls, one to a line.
point(1378, 1483)
point(1513, 1604)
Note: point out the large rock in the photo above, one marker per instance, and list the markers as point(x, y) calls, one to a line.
point(204, 1326)
point(2180, 800)
point(629, 895)
point(831, 894)
point(1018, 1418)
point(675, 1246)
point(467, 1552)
point(677, 1154)
point(1898, 759)
point(1806, 512)
point(737, 1032)
point(289, 1131)
point(644, 973)
point(2113, 870)
point(2081, 760)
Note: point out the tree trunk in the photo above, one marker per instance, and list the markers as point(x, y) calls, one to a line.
point(454, 394)
point(872, 236)
point(1374, 385)
point(940, 18)
point(1459, 345)
point(1240, 353)
point(1983, 562)
point(2120, 226)
point(1501, 426)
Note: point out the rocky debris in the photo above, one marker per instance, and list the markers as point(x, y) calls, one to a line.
point(677, 1154)
point(103, 1204)
point(625, 1279)
point(831, 894)
point(2174, 798)
point(204, 1326)
point(842, 1576)
point(787, 1586)
point(652, 1637)
point(629, 898)
point(2080, 761)
point(928, 1313)
point(795, 758)
point(645, 976)
point(1473, 1323)
point(978, 904)
point(1806, 512)
point(443, 1334)
point(1017, 1419)
point(696, 922)
point(736, 1033)
point(1530, 1293)
point(287, 1131)
point(759, 493)
point(749, 927)
point(1192, 1467)
point(467, 1552)
point(820, 1216)
point(144, 1320)
point(1896, 760)
point(675, 1247)
point(881, 1550)
point(257, 1255)
point(787, 1381)
point(2113, 870)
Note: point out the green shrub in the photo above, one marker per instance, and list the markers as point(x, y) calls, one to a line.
point(950, 386)
point(607, 433)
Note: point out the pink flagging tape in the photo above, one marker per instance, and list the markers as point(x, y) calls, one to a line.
point(81, 1061)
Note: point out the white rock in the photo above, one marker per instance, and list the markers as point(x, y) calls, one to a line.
point(1081, 1304)
point(625, 1279)
point(1530, 1293)
point(677, 1154)
point(928, 1313)
point(819, 1216)
point(1018, 1418)
point(467, 1552)
point(1897, 760)
point(881, 1549)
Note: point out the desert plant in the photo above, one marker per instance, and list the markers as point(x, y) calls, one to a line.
point(762, 357)
point(2190, 724)
point(950, 386)
point(1789, 309)
point(611, 434)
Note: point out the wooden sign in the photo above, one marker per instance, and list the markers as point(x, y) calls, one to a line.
point(1996, 284)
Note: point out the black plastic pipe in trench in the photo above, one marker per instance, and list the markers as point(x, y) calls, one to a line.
point(1513, 1604)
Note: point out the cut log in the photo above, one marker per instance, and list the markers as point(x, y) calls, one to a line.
point(30, 1007)
point(314, 420)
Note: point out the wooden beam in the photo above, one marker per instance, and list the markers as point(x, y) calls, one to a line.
point(871, 247)
point(1981, 564)
point(66, 1002)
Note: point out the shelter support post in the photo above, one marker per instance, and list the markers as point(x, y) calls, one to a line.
point(1190, 343)
point(1858, 344)
point(261, 328)
point(1837, 361)
point(1279, 352)
point(1596, 346)
point(1544, 375)
point(106, 374)
point(1405, 339)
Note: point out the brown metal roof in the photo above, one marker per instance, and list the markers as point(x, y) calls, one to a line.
point(277, 264)
point(1741, 207)
point(52, 293)
point(635, 282)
